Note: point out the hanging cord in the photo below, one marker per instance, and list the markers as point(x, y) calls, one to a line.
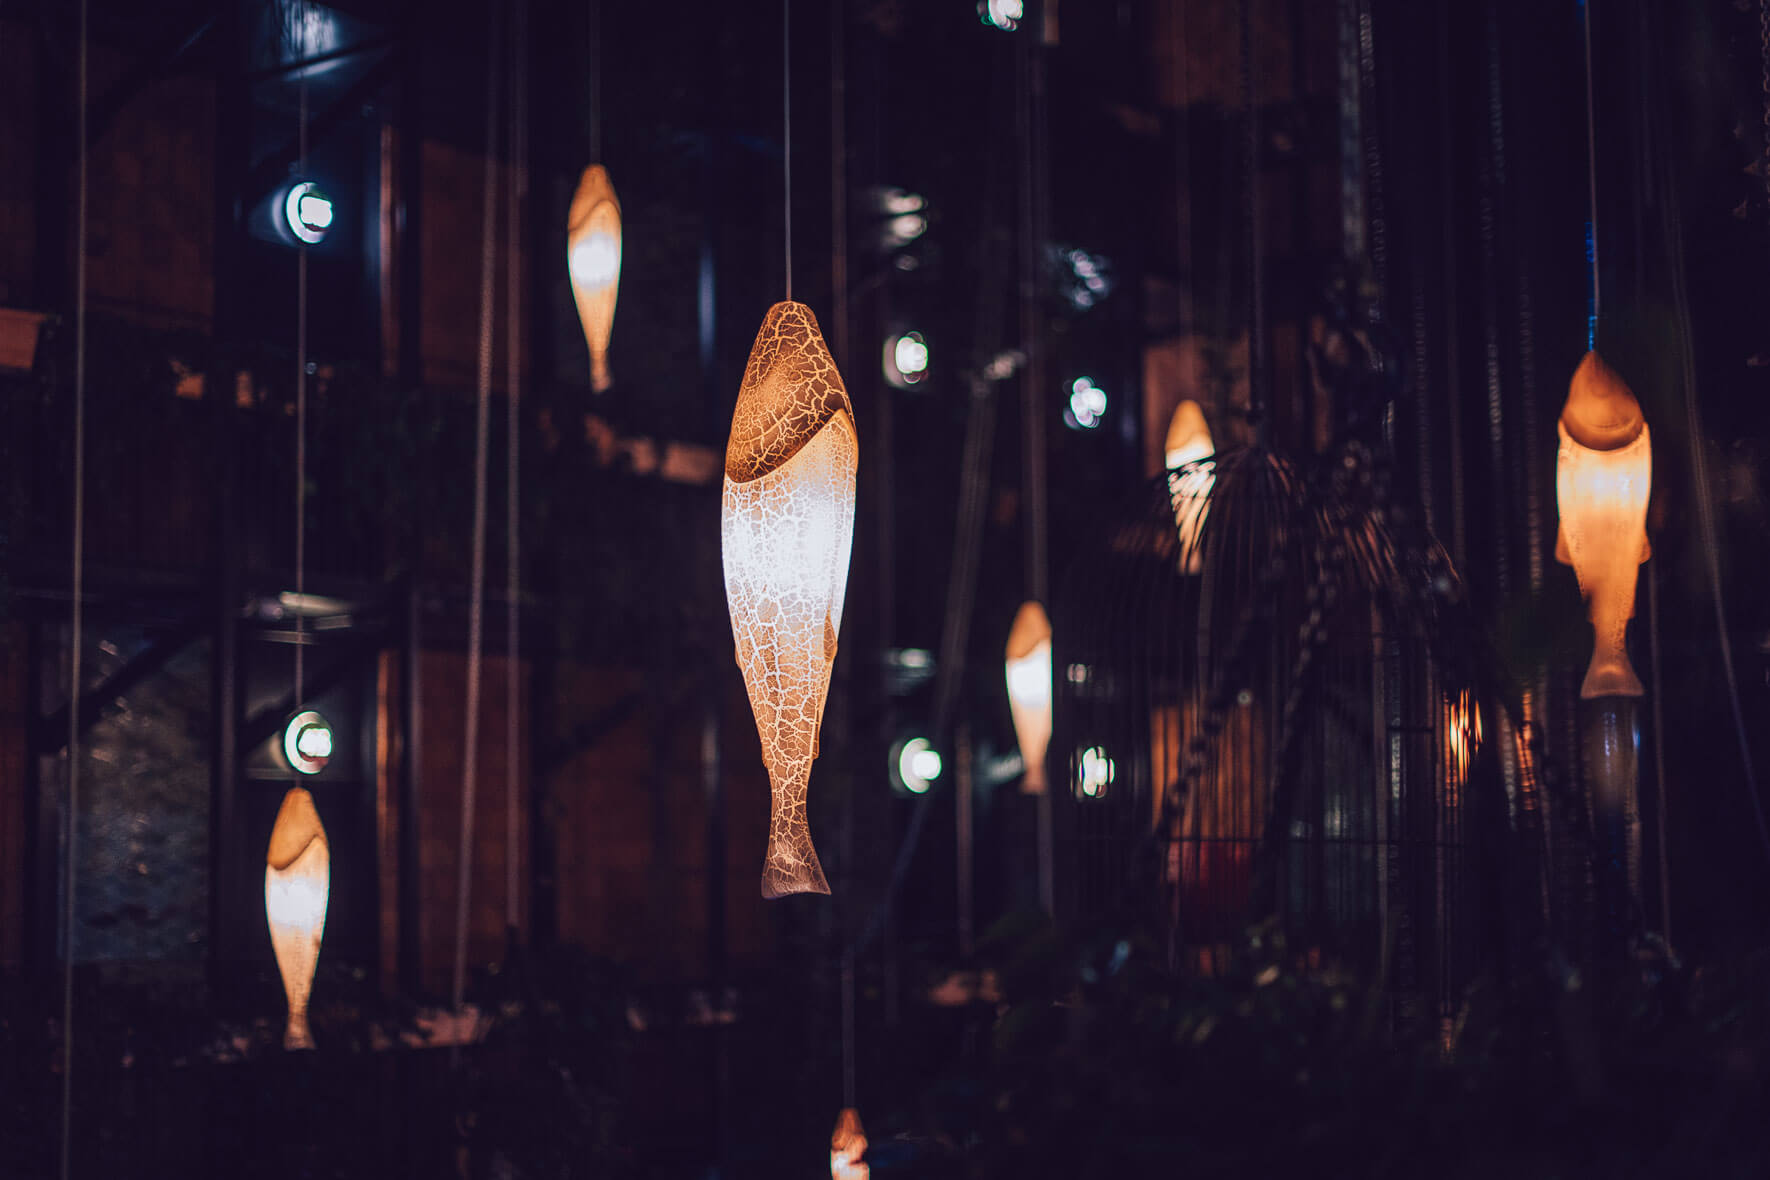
point(787, 132)
point(594, 16)
point(513, 456)
point(1256, 280)
point(301, 432)
point(1585, 9)
point(75, 627)
point(477, 588)
point(1659, 755)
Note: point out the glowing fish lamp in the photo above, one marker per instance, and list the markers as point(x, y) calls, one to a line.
point(297, 882)
point(593, 257)
point(848, 1148)
point(1602, 478)
point(1189, 487)
point(1029, 691)
point(787, 526)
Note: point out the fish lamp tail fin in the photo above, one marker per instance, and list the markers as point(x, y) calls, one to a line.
point(791, 866)
point(1610, 675)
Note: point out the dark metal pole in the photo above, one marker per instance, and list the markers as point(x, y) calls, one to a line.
point(411, 764)
point(227, 837)
point(411, 178)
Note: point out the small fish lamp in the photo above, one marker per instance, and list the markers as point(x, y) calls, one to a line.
point(593, 258)
point(1029, 691)
point(1603, 475)
point(848, 1148)
point(787, 525)
point(1189, 442)
point(297, 883)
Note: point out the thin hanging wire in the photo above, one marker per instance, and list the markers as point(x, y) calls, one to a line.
point(477, 590)
point(1585, 8)
point(594, 16)
point(787, 132)
point(1256, 279)
point(301, 432)
point(512, 458)
point(75, 625)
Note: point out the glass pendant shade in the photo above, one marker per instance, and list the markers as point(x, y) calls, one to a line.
point(848, 1148)
point(1029, 691)
point(787, 525)
point(297, 882)
point(593, 259)
point(1603, 474)
point(1189, 441)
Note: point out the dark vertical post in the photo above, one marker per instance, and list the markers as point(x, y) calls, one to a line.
point(38, 950)
point(1034, 491)
point(962, 779)
point(227, 852)
point(410, 247)
point(411, 946)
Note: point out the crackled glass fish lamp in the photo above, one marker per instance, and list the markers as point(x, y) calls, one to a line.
point(297, 883)
point(1189, 441)
point(593, 259)
point(786, 526)
point(1603, 474)
point(848, 1148)
point(1029, 691)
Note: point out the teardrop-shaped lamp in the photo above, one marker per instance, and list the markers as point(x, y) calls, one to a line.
point(593, 259)
point(848, 1148)
point(297, 883)
point(787, 526)
point(1189, 442)
point(1603, 474)
point(1029, 691)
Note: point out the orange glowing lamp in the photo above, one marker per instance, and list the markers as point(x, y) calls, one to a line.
point(1190, 479)
point(297, 884)
point(787, 526)
point(1029, 691)
point(848, 1148)
point(1603, 475)
point(593, 259)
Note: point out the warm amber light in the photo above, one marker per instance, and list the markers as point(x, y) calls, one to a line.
point(297, 882)
point(593, 258)
point(848, 1148)
point(787, 527)
point(1602, 478)
point(1463, 733)
point(1189, 441)
point(1029, 691)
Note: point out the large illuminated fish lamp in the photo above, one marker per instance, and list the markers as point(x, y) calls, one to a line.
point(297, 883)
point(1029, 691)
point(593, 258)
point(787, 525)
point(1189, 442)
point(1602, 478)
point(848, 1148)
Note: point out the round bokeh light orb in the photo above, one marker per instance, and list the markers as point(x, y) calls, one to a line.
point(906, 359)
point(1094, 773)
point(308, 212)
point(918, 765)
point(307, 742)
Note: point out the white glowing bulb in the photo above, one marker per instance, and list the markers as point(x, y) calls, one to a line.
point(1087, 402)
point(307, 742)
point(918, 765)
point(596, 260)
point(911, 355)
point(1005, 14)
point(315, 742)
point(1096, 772)
point(308, 212)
